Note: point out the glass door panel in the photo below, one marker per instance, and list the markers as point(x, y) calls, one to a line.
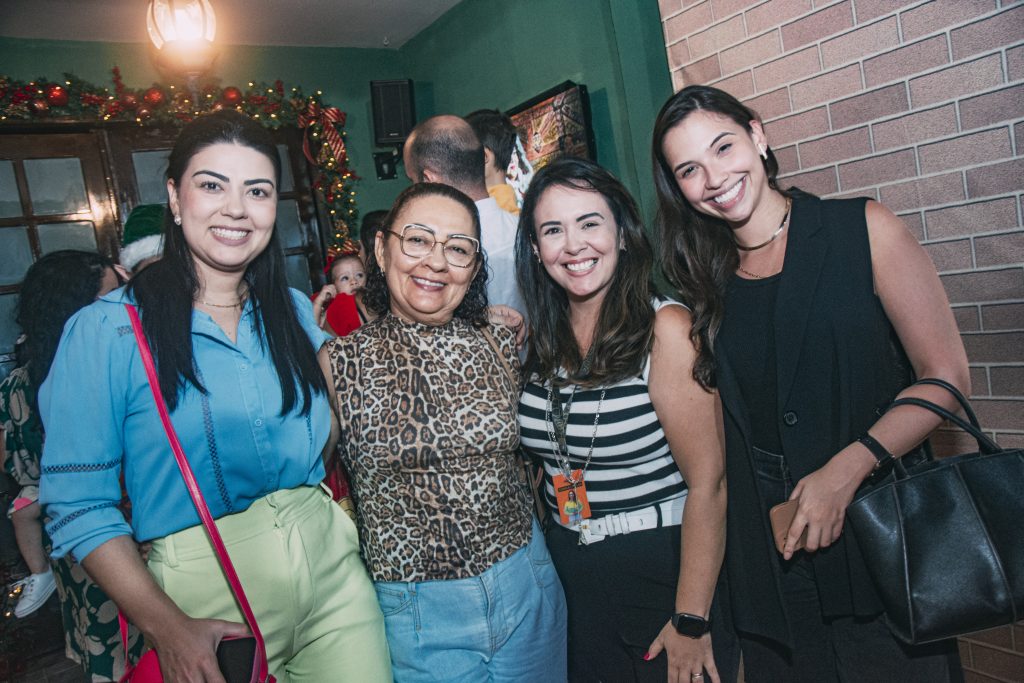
point(17, 254)
point(78, 235)
point(150, 175)
point(10, 201)
point(56, 186)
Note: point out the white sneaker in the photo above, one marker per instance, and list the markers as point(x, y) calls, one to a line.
point(36, 589)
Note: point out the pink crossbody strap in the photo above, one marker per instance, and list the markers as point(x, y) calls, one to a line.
point(261, 670)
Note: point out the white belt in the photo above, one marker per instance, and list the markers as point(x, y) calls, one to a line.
point(668, 513)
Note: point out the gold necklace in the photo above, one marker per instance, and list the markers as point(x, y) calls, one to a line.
point(753, 275)
point(778, 231)
point(237, 304)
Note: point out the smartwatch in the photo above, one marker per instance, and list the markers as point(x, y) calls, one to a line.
point(690, 625)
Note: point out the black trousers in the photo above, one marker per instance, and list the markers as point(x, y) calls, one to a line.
point(620, 592)
point(832, 649)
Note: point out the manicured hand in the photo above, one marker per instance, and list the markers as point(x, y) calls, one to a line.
point(688, 658)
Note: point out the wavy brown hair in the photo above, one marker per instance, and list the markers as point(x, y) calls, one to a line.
point(698, 253)
point(625, 328)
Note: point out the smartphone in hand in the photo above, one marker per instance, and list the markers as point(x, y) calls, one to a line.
point(781, 516)
point(235, 657)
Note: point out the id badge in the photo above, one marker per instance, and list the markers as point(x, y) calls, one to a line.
point(571, 498)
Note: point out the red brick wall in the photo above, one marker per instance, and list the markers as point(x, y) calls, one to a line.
point(921, 106)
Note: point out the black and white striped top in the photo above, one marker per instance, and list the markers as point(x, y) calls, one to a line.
point(632, 467)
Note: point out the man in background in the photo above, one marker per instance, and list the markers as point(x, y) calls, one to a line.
point(444, 149)
point(498, 135)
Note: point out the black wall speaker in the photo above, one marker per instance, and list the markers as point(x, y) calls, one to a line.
point(394, 114)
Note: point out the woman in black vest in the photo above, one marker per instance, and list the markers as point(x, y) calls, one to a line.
point(810, 316)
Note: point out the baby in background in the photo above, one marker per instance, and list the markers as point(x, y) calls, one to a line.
point(348, 274)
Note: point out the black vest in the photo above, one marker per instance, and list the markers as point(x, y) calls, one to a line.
point(838, 364)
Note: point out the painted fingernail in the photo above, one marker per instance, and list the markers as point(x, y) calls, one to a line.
point(647, 656)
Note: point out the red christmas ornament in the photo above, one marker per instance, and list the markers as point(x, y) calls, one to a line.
point(154, 97)
point(56, 95)
point(129, 100)
point(40, 107)
point(143, 112)
point(232, 96)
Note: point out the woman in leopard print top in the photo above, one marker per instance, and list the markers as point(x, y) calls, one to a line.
point(427, 401)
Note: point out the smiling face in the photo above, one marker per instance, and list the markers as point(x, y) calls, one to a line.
point(227, 202)
point(717, 165)
point(577, 241)
point(348, 274)
point(426, 289)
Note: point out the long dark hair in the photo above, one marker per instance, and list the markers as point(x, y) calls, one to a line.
point(376, 296)
point(168, 288)
point(625, 327)
point(54, 288)
point(698, 254)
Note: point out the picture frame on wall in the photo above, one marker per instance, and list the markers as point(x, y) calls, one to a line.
point(555, 123)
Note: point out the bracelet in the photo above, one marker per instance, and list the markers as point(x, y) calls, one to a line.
point(882, 455)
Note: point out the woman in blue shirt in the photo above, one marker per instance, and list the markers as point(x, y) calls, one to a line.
point(236, 354)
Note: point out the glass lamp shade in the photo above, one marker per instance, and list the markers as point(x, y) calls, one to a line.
point(183, 32)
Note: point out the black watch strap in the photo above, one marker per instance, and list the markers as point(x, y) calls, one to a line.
point(690, 625)
point(881, 453)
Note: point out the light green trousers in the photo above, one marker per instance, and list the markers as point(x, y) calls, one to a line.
point(297, 556)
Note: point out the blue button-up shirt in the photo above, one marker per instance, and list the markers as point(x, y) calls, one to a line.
point(100, 418)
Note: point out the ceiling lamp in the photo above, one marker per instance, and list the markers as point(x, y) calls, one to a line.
point(183, 31)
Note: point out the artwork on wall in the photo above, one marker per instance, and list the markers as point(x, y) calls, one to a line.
point(554, 124)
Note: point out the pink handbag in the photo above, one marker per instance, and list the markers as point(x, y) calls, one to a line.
point(148, 668)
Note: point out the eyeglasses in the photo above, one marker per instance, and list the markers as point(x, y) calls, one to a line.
point(419, 240)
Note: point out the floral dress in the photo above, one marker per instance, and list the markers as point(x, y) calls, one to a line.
point(91, 634)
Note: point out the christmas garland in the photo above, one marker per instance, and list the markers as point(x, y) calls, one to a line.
point(73, 99)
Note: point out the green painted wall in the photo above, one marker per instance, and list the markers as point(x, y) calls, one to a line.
point(342, 74)
point(494, 53)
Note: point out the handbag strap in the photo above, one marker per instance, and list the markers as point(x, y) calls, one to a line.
point(260, 667)
point(960, 398)
point(985, 444)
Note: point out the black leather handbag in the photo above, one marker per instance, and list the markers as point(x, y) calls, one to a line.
point(943, 541)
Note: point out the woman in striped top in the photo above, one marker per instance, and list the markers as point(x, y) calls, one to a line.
point(627, 438)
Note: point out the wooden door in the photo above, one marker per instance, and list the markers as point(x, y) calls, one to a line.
point(54, 194)
point(72, 187)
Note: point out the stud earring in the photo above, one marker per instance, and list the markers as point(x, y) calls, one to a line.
point(177, 220)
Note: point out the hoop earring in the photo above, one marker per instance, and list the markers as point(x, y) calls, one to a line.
point(764, 153)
